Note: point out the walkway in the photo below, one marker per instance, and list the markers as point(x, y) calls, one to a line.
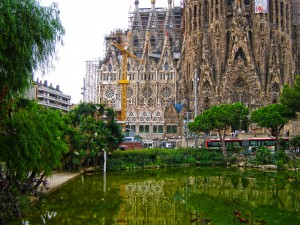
point(57, 180)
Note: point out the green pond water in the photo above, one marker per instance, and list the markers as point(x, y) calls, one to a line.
point(173, 197)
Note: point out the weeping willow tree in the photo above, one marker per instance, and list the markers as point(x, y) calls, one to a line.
point(32, 146)
point(29, 139)
point(36, 144)
point(29, 34)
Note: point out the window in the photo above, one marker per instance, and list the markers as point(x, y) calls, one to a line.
point(158, 129)
point(171, 129)
point(132, 127)
point(144, 128)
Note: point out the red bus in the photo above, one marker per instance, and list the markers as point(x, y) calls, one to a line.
point(249, 143)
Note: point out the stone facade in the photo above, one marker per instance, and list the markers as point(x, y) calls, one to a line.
point(296, 31)
point(239, 55)
point(203, 53)
point(154, 35)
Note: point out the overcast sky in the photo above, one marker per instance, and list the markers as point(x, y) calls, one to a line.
point(86, 23)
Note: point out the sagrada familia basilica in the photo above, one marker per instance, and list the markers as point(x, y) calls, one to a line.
point(194, 56)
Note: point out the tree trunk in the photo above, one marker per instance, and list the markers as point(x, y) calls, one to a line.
point(39, 182)
point(277, 138)
point(224, 149)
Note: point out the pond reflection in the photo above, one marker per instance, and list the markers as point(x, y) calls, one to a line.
point(174, 197)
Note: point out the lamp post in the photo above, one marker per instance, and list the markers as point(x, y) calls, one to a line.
point(186, 130)
point(105, 158)
point(195, 80)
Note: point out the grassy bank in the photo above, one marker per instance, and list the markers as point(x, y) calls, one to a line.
point(157, 157)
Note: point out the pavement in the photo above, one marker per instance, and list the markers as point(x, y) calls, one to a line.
point(57, 180)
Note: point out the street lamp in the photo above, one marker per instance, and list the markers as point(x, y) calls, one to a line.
point(186, 129)
point(185, 121)
point(195, 80)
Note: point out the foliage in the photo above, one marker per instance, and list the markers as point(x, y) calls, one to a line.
point(157, 157)
point(29, 136)
point(263, 155)
point(272, 117)
point(11, 210)
point(28, 37)
point(290, 96)
point(94, 129)
point(295, 142)
point(35, 145)
point(281, 156)
point(220, 118)
point(32, 146)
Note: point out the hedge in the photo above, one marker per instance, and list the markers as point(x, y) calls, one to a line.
point(157, 157)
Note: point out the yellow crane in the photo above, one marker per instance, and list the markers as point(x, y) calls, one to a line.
point(124, 82)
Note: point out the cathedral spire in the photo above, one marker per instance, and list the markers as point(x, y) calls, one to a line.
point(170, 4)
point(153, 4)
point(136, 3)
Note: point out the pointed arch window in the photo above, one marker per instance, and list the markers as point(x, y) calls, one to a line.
point(152, 40)
point(128, 67)
point(275, 87)
point(245, 98)
point(135, 41)
point(229, 2)
point(109, 67)
point(206, 87)
point(240, 54)
point(235, 97)
point(239, 83)
point(166, 66)
point(247, 2)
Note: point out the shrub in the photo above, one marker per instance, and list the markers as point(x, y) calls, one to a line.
point(163, 157)
point(280, 164)
point(281, 156)
point(263, 155)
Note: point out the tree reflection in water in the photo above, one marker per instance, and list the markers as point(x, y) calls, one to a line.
point(175, 196)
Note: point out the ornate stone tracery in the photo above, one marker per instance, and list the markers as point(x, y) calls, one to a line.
point(235, 54)
point(244, 57)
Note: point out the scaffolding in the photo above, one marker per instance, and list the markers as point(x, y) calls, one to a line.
point(296, 27)
point(156, 21)
point(90, 89)
point(118, 36)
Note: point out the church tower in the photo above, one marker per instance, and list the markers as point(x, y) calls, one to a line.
point(240, 51)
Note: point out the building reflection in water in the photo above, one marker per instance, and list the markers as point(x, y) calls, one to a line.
point(166, 202)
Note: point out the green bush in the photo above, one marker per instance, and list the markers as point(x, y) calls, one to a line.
point(154, 157)
point(280, 164)
point(263, 155)
point(281, 156)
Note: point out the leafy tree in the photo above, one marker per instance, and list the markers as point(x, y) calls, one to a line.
point(34, 146)
point(29, 33)
point(30, 139)
point(92, 133)
point(273, 117)
point(220, 118)
point(290, 96)
point(295, 141)
point(113, 130)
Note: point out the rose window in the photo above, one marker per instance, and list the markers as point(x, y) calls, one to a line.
point(130, 93)
point(109, 93)
point(166, 92)
point(150, 102)
point(147, 92)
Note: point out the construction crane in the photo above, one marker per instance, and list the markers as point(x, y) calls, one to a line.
point(124, 82)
